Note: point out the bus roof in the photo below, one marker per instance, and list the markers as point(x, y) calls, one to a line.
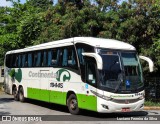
point(96, 42)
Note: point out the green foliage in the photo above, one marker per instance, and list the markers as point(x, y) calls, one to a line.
point(151, 103)
point(37, 21)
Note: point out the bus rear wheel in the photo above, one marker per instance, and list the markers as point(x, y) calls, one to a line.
point(21, 94)
point(15, 94)
point(72, 104)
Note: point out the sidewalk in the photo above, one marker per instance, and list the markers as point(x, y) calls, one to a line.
point(152, 108)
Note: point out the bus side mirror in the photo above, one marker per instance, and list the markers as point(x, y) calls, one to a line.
point(150, 62)
point(97, 58)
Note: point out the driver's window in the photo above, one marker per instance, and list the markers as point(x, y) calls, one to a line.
point(91, 72)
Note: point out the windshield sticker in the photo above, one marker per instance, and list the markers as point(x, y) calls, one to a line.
point(127, 83)
point(90, 77)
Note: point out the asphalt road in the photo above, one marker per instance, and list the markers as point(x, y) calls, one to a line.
point(33, 110)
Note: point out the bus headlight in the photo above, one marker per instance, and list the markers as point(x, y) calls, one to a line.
point(101, 96)
point(142, 96)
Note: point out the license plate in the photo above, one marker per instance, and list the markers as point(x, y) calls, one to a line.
point(125, 109)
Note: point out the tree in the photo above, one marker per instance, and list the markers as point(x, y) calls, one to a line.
point(37, 21)
point(43, 4)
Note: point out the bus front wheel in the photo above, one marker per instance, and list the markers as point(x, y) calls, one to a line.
point(21, 95)
point(72, 104)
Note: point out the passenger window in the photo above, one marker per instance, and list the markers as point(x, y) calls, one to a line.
point(49, 58)
point(14, 60)
point(69, 58)
point(54, 57)
point(72, 62)
point(44, 61)
point(80, 56)
point(24, 60)
point(37, 59)
point(19, 61)
point(65, 58)
point(7, 61)
point(30, 60)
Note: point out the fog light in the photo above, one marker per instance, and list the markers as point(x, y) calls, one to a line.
point(105, 106)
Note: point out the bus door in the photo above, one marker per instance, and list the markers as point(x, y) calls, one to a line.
point(89, 100)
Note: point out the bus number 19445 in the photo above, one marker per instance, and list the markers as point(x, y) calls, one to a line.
point(57, 85)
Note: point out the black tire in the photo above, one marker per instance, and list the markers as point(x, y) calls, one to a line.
point(15, 94)
point(72, 104)
point(21, 94)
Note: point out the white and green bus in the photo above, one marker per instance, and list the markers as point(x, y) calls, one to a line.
point(96, 74)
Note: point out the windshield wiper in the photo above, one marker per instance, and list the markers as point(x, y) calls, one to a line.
point(117, 87)
point(120, 78)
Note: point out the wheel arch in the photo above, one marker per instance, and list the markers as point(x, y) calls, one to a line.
point(20, 87)
point(13, 86)
point(69, 93)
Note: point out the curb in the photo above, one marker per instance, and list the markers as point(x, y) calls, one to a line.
point(151, 108)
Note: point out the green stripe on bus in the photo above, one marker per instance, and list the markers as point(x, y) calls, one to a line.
point(46, 95)
point(88, 102)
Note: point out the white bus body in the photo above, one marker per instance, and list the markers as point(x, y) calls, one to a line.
point(96, 74)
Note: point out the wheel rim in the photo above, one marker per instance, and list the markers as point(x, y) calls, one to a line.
point(73, 104)
point(21, 95)
point(15, 92)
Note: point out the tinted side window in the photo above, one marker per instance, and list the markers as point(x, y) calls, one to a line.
point(83, 48)
point(24, 60)
point(91, 77)
point(19, 61)
point(38, 62)
point(8, 60)
point(49, 63)
point(71, 58)
point(15, 63)
point(80, 47)
point(45, 56)
point(68, 57)
point(30, 60)
point(80, 56)
point(55, 57)
point(65, 58)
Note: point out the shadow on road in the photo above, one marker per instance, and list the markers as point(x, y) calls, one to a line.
point(113, 115)
point(6, 100)
point(52, 106)
point(4, 113)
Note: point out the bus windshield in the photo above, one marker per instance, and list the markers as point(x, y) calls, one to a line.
point(121, 71)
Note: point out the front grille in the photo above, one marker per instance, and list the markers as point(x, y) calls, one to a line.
point(125, 101)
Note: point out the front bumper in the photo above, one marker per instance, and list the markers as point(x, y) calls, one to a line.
point(104, 106)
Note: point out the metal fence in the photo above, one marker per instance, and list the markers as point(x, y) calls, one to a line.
point(152, 89)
